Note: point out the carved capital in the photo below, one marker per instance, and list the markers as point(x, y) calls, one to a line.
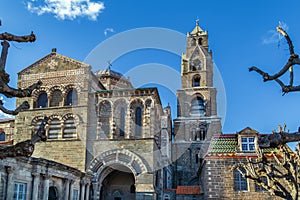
point(9, 169)
point(47, 176)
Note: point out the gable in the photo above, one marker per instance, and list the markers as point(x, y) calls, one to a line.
point(53, 62)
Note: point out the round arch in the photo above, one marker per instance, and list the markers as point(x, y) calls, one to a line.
point(117, 158)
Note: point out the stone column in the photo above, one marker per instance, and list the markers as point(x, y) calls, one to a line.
point(82, 189)
point(87, 191)
point(9, 183)
point(35, 187)
point(95, 190)
point(71, 188)
point(67, 189)
point(46, 186)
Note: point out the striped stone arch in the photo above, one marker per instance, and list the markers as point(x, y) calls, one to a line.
point(55, 88)
point(70, 87)
point(69, 115)
point(102, 164)
point(54, 116)
point(38, 91)
point(36, 119)
point(35, 123)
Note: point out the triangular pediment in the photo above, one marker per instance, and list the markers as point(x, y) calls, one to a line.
point(53, 62)
point(248, 130)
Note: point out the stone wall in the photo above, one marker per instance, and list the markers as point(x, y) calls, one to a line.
point(218, 181)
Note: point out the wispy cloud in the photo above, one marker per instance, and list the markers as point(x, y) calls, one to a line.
point(108, 30)
point(2, 114)
point(273, 36)
point(66, 9)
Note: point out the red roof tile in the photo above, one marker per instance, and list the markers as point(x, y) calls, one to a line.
point(188, 190)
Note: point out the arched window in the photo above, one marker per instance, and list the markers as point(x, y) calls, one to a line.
point(72, 98)
point(104, 117)
point(196, 64)
point(196, 81)
point(138, 121)
point(2, 134)
point(54, 128)
point(52, 193)
point(56, 98)
point(120, 112)
point(240, 183)
point(69, 128)
point(122, 122)
point(36, 125)
point(42, 101)
point(197, 106)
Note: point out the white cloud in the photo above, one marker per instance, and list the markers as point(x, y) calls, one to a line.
point(108, 30)
point(67, 9)
point(2, 114)
point(273, 36)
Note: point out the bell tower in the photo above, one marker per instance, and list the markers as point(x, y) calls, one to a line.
point(197, 118)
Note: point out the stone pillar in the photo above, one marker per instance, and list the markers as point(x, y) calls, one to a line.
point(35, 187)
point(71, 189)
point(46, 186)
point(67, 189)
point(87, 191)
point(95, 190)
point(82, 189)
point(9, 183)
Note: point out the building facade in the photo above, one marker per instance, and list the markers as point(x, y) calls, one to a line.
point(108, 140)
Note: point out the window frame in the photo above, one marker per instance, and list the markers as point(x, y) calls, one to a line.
point(259, 188)
point(240, 183)
point(17, 192)
point(249, 145)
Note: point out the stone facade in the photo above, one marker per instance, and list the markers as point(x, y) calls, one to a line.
point(110, 141)
point(37, 178)
point(7, 129)
point(98, 124)
point(218, 174)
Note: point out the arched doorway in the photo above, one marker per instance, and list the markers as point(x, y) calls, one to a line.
point(52, 193)
point(118, 183)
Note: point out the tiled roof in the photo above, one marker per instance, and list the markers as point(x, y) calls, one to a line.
point(3, 120)
point(188, 190)
point(6, 143)
point(226, 145)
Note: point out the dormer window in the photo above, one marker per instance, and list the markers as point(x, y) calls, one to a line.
point(248, 143)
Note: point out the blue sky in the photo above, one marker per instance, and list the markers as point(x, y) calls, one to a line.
point(240, 35)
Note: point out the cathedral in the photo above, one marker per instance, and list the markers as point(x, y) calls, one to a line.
point(107, 140)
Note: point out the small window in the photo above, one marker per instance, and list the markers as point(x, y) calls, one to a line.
point(138, 121)
point(248, 144)
point(2, 135)
point(75, 195)
point(19, 191)
point(69, 128)
point(56, 98)
point(54, 129)
point(259, 188)
point(2, 188)
point(240, 183)
point(52, 195)
point(42, 101)
point(197, 106)
point(37, 125)
point(196, 81)
point(72, 98)
point(122, 122)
